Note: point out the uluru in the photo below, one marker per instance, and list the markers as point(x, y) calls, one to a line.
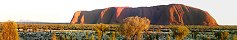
point(172, 14)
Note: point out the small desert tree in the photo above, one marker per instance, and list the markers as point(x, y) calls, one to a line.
point(92, 37)
point(100, 29)
point(1, 36)
point(181, 32)
point(234, 37)
point(54, 37)
point(134, 25)
point(224, 35)
point(9, 31)
point(113, 36)
point(168, 37)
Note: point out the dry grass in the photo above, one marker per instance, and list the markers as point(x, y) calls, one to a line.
point(101, 27)
point(9, 31)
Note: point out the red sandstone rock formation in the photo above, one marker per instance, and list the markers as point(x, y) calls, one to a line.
point(102, 18)
point(75, 17)
point(209, 20)
point(119, 10)
point(176, 10)
point(175, 14)
point(82, 19)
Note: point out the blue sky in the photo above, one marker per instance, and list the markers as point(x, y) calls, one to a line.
point(62, 10)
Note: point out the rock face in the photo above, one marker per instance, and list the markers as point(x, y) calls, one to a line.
point(175, 14)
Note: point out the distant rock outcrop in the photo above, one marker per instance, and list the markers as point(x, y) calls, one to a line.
point(175, 14)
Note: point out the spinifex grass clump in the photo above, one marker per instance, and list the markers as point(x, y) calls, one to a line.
point(181, 32)
point(134, 26)
point(9, 31)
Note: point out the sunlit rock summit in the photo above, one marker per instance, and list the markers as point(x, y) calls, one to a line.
point(173, 14)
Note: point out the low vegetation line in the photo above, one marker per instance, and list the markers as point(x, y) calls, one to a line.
point(89, 26)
